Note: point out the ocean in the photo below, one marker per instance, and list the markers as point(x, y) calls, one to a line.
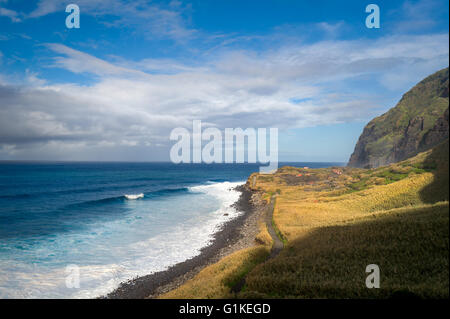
point(111, 221)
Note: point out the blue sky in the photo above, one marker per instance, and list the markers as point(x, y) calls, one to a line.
point(114, 88)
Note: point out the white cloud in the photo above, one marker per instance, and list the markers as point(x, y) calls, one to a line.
point(331, 29)
point(13, 15)
point(79, 62)
point(132, 106)
point(416, 15)
point(148, 18)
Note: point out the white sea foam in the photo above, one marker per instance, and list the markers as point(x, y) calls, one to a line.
point(134, 196)
point(201, 216)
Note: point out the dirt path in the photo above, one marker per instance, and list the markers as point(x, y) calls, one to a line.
point(277, 246)
point(277, 243)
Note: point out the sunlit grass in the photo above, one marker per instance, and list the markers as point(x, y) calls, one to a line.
point(334, 231)
point(336, 221)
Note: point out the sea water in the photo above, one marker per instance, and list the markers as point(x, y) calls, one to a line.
point(112, 221)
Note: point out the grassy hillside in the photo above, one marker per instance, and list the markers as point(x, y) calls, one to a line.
point(394, 216)
point(336, 221)
point(410, 245)
point(402, 131)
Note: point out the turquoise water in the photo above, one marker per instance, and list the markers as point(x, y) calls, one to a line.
point(55, 215)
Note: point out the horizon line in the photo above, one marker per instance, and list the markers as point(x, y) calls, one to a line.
point(143, 162)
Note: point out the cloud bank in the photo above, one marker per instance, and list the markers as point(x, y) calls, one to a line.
point(137, 103)
point(294, 76)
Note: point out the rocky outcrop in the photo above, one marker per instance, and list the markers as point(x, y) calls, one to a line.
point(417, 123)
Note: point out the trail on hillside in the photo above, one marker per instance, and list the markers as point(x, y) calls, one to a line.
point(277, 246)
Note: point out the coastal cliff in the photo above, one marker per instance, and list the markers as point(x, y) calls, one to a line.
point(417, 123)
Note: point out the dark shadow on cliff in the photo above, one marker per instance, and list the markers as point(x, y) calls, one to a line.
point(437, 163)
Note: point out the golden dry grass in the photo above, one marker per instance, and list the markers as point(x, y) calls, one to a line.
point(294, 218)
point(334, 232)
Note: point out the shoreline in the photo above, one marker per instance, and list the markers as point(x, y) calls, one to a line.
point(233, 235)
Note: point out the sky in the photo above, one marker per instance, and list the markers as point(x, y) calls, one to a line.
point(114, 88)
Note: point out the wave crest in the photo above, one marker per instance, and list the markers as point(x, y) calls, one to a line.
point(134, 196)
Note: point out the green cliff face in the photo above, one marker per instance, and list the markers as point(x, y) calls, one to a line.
point(417, 123)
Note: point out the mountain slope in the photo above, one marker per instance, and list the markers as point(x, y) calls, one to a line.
point(417, 123)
